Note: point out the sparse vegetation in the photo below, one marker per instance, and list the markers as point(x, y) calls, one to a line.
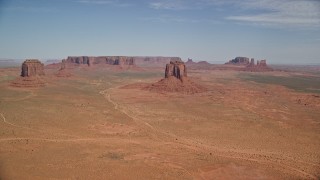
point(299, 83)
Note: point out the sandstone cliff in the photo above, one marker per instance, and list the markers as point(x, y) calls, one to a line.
point(142, 61)
point(111, 60)
point(32, 71)
point(152, 61)
point(32, 67)
point(63, 72)
point(261, 66)
point(239, 61)
point(176, 80)
point(176, 68)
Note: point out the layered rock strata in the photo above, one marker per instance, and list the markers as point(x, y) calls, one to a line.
point(176, 80)
point(32, 67)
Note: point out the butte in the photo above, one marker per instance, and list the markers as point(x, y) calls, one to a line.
point(32, 71)
point(176, 80)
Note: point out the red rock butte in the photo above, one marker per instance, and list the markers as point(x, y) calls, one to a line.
point(260, 66)
point(176, 68)
point(247, 64)
point(176, 80)
point(32, 67)
point(32, 71)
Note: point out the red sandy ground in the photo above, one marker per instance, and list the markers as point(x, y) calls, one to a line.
point(88, 126)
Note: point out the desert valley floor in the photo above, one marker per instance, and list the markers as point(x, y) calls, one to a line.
point(100, 124)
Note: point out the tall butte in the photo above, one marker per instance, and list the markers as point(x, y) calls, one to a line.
point(176, 80)
point(31, 72)
point(176, 68)
point(32, 67)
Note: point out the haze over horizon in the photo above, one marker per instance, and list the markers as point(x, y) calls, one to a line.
point(281, 31)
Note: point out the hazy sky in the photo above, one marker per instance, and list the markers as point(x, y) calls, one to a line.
point(280, 31)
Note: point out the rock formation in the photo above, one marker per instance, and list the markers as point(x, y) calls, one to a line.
point(244, 64)
point(142, 61)
point(80, 60)
point(63, 71)
point(190, 62)
point(32, 67)
point(152, 61)
point(176, 80)
point(262, 63)
point(198, 65)
point(259, 67)
point(32, 71)
point(111, 60)
point(176, 68)
point(239, 61)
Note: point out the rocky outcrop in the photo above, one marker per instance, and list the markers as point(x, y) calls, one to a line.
point(239, 61)
point(189, 62)
point(111, 60)
point(121, 60)
point(80, 60)
point(262, 63)
point(259, 67)
point(142, 61)
point(198, 65)
point(63, 72)
point(245, 65)
point(176, 68)
point(32, 67)
point(152, 61)
point(176, 80)
point(32, 71)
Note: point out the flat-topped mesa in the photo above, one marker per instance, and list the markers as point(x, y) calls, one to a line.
point(176, 68)
point(111, 60)
point(121, 60)
point(80, 60)
point(32, 67)
point(239, 60)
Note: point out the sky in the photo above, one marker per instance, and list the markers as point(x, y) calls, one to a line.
point(281, 31)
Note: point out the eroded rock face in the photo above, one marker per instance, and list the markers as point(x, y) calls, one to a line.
point(32, 67)
point(32, 72)
point(146, 61)
point(239, 60)
point(260, 66)
point(176, 80)
point(262, 63)
point(151, 61)
point(80, 60)
point(111, 60)
point(176, 68)
point(63, 71)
